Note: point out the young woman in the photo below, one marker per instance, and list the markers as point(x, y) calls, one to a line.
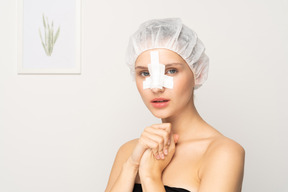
point(183, 153)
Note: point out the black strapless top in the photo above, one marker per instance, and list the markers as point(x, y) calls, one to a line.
point(138, 188)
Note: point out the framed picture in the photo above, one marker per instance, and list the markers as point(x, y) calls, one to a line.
point(49, 34)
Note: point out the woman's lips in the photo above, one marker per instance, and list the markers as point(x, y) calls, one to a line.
point(160, 102)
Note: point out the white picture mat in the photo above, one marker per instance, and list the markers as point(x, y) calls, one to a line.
point(65, 57)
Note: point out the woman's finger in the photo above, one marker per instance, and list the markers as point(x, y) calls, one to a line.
point(153, 142)
point(166, 127)
point(158, 150)
point(166, 137)
point(174, 140)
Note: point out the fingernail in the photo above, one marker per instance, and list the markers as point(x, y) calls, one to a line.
point(165, 151)
point(157, 157)
point(162, 156)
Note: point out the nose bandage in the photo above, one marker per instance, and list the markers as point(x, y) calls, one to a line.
point(157, 78)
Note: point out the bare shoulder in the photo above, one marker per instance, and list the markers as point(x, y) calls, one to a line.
point(222, 167)
point(127, 148)
point(225, 158)
point(224, 146)
point(124, 152)
point(223, 149)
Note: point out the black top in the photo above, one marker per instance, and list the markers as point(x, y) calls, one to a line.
point(138, 188)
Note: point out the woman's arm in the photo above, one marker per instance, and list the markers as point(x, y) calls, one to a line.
point(223, 167)
point(126, 179)
point(151, 173)
point(124, 170)
point(156, 138)
point(150, 170)
point(153, 184)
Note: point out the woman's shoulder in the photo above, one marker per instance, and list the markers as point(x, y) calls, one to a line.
point(223, 152)
point(127, 148)
point(225, 159)
point(129, 145)
point(124, 152)
point(222, 144)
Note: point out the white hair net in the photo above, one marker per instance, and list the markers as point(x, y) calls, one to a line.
point(170, 34)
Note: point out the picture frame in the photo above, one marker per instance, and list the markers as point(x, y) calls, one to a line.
point(49, 36)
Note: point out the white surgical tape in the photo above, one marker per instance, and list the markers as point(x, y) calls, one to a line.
point(157, 78)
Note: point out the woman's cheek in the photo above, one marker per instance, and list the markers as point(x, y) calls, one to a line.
point(144, 93)
point(139, 85)
point(182, 85)
point(178, 84)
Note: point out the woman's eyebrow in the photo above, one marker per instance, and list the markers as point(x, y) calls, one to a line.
point(140, 67)
point(172, 64)
point(166, 65)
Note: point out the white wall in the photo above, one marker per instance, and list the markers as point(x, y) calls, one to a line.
point(61, 132)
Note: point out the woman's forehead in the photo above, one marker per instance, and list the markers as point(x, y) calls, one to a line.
point(165, 57)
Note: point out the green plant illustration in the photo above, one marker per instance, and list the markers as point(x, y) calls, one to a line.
point(49, 35)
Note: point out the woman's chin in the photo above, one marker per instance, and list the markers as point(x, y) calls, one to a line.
point(160, 115)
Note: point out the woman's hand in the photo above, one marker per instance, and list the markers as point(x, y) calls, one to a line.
point(150, 167)
point(156, 138)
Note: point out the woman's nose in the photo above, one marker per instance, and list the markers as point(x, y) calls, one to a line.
point(156, 90)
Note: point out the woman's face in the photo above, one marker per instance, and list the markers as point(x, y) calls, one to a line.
point(165, 102)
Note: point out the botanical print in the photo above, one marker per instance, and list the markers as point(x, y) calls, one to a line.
point(49, 35)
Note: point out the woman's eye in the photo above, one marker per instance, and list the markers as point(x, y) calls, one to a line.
point(171, 71)
point(144, 73)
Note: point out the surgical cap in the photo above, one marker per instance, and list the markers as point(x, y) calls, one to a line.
point(170, 34)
